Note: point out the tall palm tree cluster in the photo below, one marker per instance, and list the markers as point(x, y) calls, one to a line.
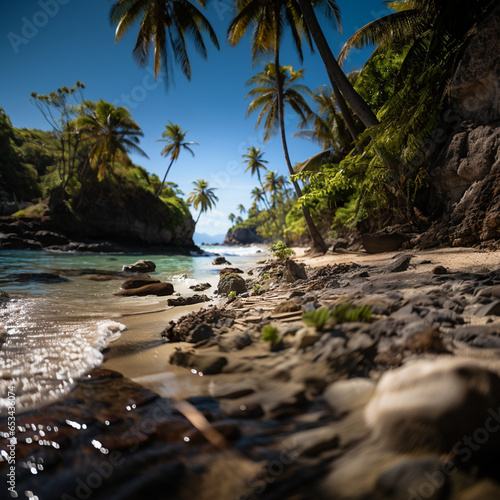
point(427, 33)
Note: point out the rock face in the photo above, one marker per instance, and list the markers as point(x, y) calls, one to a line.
point(242, 236)
point(231, 283)
point(466, 171)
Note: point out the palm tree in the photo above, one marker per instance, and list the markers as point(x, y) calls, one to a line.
point(164, 26)
point(174, 137)
point(202, 196)
point(241, 209)
point(339, 81)
point(110, 132)
point(257, 195)
point(255, 162)
point(231, 218)
point(273, 89)
point(330, 130)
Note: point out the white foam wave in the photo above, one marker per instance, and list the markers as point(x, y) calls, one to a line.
point(230, 251)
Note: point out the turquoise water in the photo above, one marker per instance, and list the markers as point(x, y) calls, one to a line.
point(54, 332)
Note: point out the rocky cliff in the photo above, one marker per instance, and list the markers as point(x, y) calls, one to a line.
point(242, 236)
point(107, 221)
point(465, 171)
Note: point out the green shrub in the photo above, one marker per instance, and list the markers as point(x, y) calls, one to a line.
point(342, 313)
point(281, 251)
point(270, 334)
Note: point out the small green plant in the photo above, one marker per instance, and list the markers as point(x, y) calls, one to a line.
point(256, 288)
point(281, 251)
point(231, 295)
point(319, 318)
point(342, 313)
point(266, 276)
point(270, 334)
point(347, 312)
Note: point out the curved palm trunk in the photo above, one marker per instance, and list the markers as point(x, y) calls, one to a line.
point(164, 179)
point(198, 218)
point(318, 243)
point(335, 73)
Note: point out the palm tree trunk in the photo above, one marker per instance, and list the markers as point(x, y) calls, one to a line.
point(164, 179)
point(318, 243)
point(198, 218)
point(335, 73)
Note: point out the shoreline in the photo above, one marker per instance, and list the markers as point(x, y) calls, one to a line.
point(353, 410)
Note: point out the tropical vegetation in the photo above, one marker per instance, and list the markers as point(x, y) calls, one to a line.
point(373, 127)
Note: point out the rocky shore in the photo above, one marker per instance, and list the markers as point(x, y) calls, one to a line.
point(347, 376)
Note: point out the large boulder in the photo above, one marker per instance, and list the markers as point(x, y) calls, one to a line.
point(231, 282)
point(141, 266)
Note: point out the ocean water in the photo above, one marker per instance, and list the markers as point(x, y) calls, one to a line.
point(58, 319)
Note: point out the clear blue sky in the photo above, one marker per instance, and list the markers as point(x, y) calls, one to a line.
point(45, 44)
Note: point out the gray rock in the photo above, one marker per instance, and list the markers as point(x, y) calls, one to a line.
point(200, 287)
point(430, 405)
point(49, 238)
point(400, 264)
point(306, 337)
point(231, 283)
point(187, 300)
point(230, 270)
point(294, 271)
point(141, 266)
point(220, 260)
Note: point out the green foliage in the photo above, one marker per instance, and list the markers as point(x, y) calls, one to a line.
point(270, 334)
point(231, 295)
point(345, 312)
point(280, 250)
point(320, 318)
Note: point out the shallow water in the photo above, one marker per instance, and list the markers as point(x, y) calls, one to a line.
point(54, 332)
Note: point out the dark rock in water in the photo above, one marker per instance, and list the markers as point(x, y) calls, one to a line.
point(187, 300)
point(141, 266)
point(4, 296)
point(379, 243)
point(401, 263)
point(200, 287)
point(208, 365)
point(220, 260)
point(231, 283)
point(160, 289)
point(38, 278)
point(138, 281)
point(230, 270)
point(294, 271)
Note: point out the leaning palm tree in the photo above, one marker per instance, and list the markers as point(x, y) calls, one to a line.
point(231, 218)
point(202, 196)
point(164, 26)
point(340, 83)
point(241, 209)
point(174, 137)
point(110, 132)
point(272, 90)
